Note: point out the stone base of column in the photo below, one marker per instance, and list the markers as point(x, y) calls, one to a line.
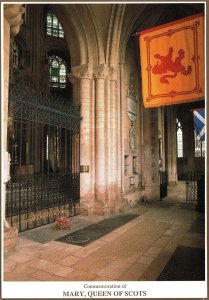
point(100, 208)
point(10, 238)
point(117, 206)
point(152, 192)
point(172, 179)
point(170, 182)
point(132, 198)
point(85, 208)
point(112, 207)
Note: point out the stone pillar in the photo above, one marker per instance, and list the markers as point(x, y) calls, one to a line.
point(101, 146)
point(112, 141)
point(12, 21)
point(171, 146)
point(83, 76)
point(150, 163)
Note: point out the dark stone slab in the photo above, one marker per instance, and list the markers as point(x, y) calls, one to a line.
point(186, 264)
point(198, 226)
point(93, 232)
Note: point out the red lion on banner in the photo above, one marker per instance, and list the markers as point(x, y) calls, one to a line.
point(167, 64)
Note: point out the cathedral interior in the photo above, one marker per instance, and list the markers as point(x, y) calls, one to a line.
point(79, 147)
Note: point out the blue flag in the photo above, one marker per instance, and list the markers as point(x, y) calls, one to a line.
point(199, 123)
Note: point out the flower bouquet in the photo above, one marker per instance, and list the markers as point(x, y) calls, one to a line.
point(62, 223)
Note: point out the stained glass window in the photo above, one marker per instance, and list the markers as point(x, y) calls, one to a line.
point(179, 134)
point(199, 147)
point(53, 26)
point(57, 72)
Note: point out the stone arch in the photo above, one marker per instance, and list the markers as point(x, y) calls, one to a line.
point(82, 34)
point(114, 34)
point(144, 12)
point(99, 46)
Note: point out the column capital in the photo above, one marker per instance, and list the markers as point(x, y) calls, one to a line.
point(113, 74)
point(13, 14)
point(101, 71)
point(82, 71)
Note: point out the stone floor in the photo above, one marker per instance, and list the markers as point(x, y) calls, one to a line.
point(136, 251)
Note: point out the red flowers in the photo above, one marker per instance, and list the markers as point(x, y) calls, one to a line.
point(62, 223)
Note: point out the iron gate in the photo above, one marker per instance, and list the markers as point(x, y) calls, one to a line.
point(192, 179)
point(43, 142)
point(163, 184)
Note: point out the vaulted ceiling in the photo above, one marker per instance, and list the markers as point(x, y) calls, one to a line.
point(99, 33)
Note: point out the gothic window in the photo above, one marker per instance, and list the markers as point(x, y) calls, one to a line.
point(53, 26)
point(199, 147)
point(179, 133)
point(57, 72)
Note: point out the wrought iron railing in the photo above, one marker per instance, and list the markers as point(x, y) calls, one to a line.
point(191, 185)
point(29, 104)
point(191, 179)
point(40, 195)
point(43, 142)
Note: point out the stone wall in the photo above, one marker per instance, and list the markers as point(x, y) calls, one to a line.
point(140, 136)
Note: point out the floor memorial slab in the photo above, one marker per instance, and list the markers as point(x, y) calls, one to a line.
point(93, 232)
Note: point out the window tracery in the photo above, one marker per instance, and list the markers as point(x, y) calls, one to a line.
point(179, 133)
point(53, 26)
point(57, 72)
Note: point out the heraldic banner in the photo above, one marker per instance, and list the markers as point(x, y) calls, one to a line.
point(172, 62)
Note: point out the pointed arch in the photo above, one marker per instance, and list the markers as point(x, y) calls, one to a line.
point(114, 34)
point(82, 34)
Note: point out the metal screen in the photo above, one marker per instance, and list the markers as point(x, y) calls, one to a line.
point(43, 142)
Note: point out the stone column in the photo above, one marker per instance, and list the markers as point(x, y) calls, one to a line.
point(12, 21)
point(112, 141)
point(101, 146)
point(83, 76)
point(171, 146)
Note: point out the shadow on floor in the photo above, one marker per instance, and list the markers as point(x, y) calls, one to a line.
point(186, 264)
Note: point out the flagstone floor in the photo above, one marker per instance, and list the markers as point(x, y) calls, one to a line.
point(138, 250)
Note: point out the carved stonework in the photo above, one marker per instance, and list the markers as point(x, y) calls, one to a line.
point(101, 71)
point(82, 71)
point(13, 13)
point(132, 138)
point(131, 100)
point(132, 112)
point(131, 92)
